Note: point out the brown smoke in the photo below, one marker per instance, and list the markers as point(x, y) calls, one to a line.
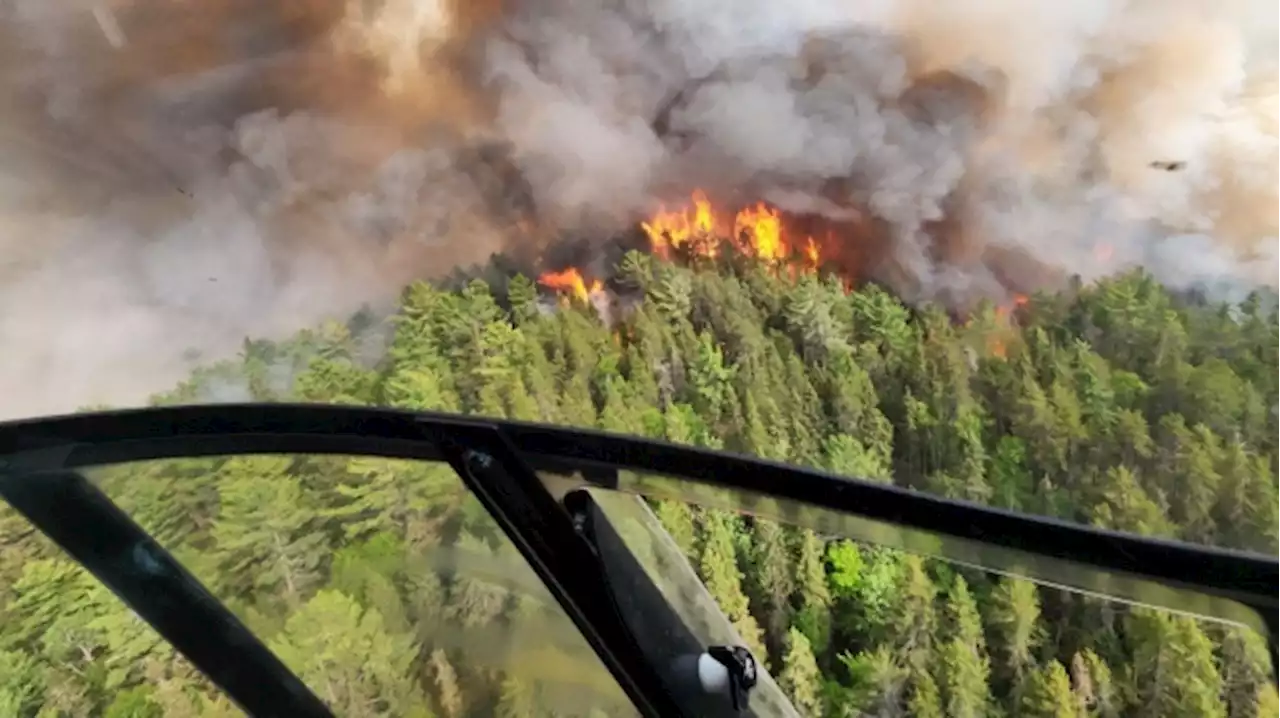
point(179, 174)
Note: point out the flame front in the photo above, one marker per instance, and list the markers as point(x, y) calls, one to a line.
point(756, 231)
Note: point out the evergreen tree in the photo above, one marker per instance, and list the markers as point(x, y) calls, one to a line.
point(770, 582)
point(812, 599)
point(799, 677)
point(718, 567)
point(1012, 614)
point(349, 659)
point(963, 668)
point(269, 538)
point(1047, 694)
point(1246, 671)
point(1173, 670)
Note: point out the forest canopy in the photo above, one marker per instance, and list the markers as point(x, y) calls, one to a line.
point(390, 592)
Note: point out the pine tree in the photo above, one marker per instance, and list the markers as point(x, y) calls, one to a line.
point(516, 700)
point(1012, 615)
point(718, 567)
point(963, 667)
point(1094, 685)
point(269, 538)
point(770, 582)
point(1047, 694)
point(1246, 670)
point(876, 684)
point(21, 683)
point(677, 518)
point(812, 599)
point(924, 700)
point(913, 615)
point(473, 600)
point(800, 678)
point(1173, 666)
point(404, 498)
point(350, 660)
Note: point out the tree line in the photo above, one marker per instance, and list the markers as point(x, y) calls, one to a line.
point(386, 587)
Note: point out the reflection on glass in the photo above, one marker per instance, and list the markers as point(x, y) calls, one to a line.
point(1061, 574)
point(856, 618)
point(382, 584)
point(70, 647)
point(665, 563)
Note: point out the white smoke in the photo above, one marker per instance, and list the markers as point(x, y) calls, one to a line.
point(175, 179)
point(1049, 135)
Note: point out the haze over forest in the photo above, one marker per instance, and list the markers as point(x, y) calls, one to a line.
point(178, 178)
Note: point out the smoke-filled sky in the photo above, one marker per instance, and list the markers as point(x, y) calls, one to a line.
point(175, 176)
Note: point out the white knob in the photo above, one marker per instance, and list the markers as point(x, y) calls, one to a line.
point(713, 675)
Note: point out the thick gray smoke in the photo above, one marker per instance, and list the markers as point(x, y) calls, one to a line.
point(177, 176)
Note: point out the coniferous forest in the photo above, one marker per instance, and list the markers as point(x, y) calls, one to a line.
point(387, 588)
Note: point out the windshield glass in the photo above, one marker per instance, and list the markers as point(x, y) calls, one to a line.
point(383, 585)
point(1020, 254)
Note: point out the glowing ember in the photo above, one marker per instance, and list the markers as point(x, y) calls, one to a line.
point(570, 281)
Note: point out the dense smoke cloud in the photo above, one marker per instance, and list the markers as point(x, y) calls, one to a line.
point(177, 176)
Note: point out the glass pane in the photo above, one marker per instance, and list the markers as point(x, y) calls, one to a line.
point(71, 647)
point(663, 559)
point(1045, 570)
point(866, 627)
point(383, 584)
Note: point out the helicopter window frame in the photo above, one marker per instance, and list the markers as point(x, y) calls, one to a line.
point(499, 460)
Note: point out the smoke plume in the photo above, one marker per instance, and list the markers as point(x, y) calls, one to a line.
point(179, 175)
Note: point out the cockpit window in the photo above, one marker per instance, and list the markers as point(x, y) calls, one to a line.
point(71, 647)
point(382, 584)
point(854, 617)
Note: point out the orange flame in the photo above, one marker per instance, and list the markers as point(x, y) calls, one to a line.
point(570, 280)
point(1019, 300)
point(812, 253)
point(676, 229)
point(759, 228)
point(756, 231)
point(996, 339)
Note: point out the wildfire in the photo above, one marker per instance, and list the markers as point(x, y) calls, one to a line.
point(678, 229)
point(571, 281)
point(757, 231)
point(996, 339)
point(1019, 300)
